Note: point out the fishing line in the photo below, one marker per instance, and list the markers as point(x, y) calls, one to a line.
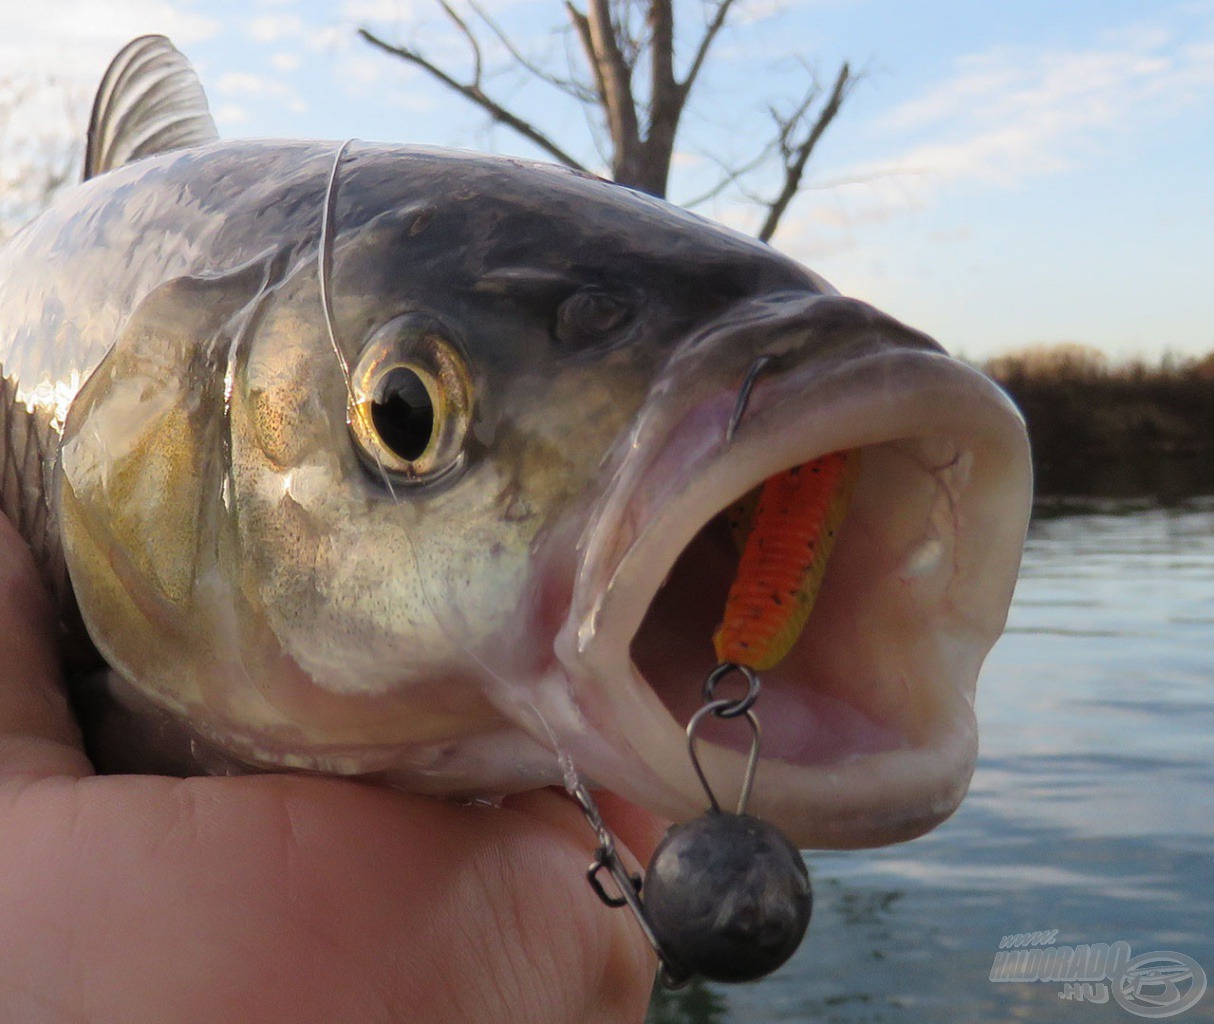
point(324, 253)
point(325, 273)
point(324, 266)
point(324, 261)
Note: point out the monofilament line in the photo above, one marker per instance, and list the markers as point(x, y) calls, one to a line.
point(324, 259)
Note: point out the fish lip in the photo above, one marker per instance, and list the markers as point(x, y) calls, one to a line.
point(878, 385)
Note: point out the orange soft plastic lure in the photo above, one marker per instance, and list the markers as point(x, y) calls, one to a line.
point(786, 530)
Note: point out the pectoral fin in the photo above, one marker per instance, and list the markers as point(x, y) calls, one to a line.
point(142, 455)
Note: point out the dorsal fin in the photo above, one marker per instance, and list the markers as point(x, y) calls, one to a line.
point(149, 101)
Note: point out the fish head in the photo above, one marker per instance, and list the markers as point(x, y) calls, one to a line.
point(444, 504)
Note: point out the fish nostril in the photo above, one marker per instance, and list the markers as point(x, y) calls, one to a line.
point(591, 317)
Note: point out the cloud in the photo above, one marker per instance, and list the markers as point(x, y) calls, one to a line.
point(684, 160)
point(78, 37)
point(761, 10)
point(229, 114)
point(756, 11)
point(246, 86)
point(948, 236)
point(363, 11)
point(53, 55)
point(285, 61)
point(377, 10)
point(1007, 115)
point(269, 28)
point(999, 119)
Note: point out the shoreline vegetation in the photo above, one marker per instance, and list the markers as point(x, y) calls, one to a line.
point(1113, 429)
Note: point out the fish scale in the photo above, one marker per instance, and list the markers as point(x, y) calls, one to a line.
point(786, 530)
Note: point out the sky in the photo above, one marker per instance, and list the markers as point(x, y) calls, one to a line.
point(1007, 173)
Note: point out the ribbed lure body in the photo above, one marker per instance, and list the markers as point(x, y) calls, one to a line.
point(786, 530)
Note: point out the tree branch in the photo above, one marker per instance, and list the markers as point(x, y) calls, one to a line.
point(473, 42)
point(568, 86)
point(472, 91)
point(697, 62)
point(636, 131)
point(663, 87)
point(796, 155)
point(615, 74)
point(665, 98)
point(581, 25)
point(730, 175)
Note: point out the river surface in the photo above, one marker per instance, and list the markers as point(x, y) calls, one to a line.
point(1091, 812)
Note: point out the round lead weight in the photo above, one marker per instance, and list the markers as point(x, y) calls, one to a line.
point(728, 897)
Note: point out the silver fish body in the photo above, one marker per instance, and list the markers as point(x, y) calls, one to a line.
point(285, 567)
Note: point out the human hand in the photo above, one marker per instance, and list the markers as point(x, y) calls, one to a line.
point(132, 898)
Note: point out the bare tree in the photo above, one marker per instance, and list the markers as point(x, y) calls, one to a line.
point(41, 144)
point(628, 78)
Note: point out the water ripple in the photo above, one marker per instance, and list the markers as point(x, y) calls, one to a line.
point(1092, 809)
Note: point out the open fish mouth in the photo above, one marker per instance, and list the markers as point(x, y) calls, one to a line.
point(869, 734)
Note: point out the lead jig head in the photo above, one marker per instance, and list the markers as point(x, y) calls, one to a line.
point(727, 896)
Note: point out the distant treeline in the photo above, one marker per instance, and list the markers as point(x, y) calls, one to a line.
point(1097, 426)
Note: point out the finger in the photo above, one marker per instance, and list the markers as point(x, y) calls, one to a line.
point(38, 734)
point(279, 898)
point(635, 827)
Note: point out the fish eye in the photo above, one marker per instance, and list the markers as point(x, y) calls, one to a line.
point(403, 412)
point(410, 401)
point(589, 317)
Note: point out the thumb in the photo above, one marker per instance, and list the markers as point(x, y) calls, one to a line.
point(38, 735)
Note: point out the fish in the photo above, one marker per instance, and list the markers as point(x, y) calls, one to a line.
point(415, 464)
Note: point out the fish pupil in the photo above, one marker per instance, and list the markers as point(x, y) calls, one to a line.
point(403, 413)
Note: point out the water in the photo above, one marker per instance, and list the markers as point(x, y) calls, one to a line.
point(1092, 809)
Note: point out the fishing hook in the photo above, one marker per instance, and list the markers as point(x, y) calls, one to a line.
point(748, 383)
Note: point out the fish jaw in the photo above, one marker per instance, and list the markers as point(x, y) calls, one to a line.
point(870, 734)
